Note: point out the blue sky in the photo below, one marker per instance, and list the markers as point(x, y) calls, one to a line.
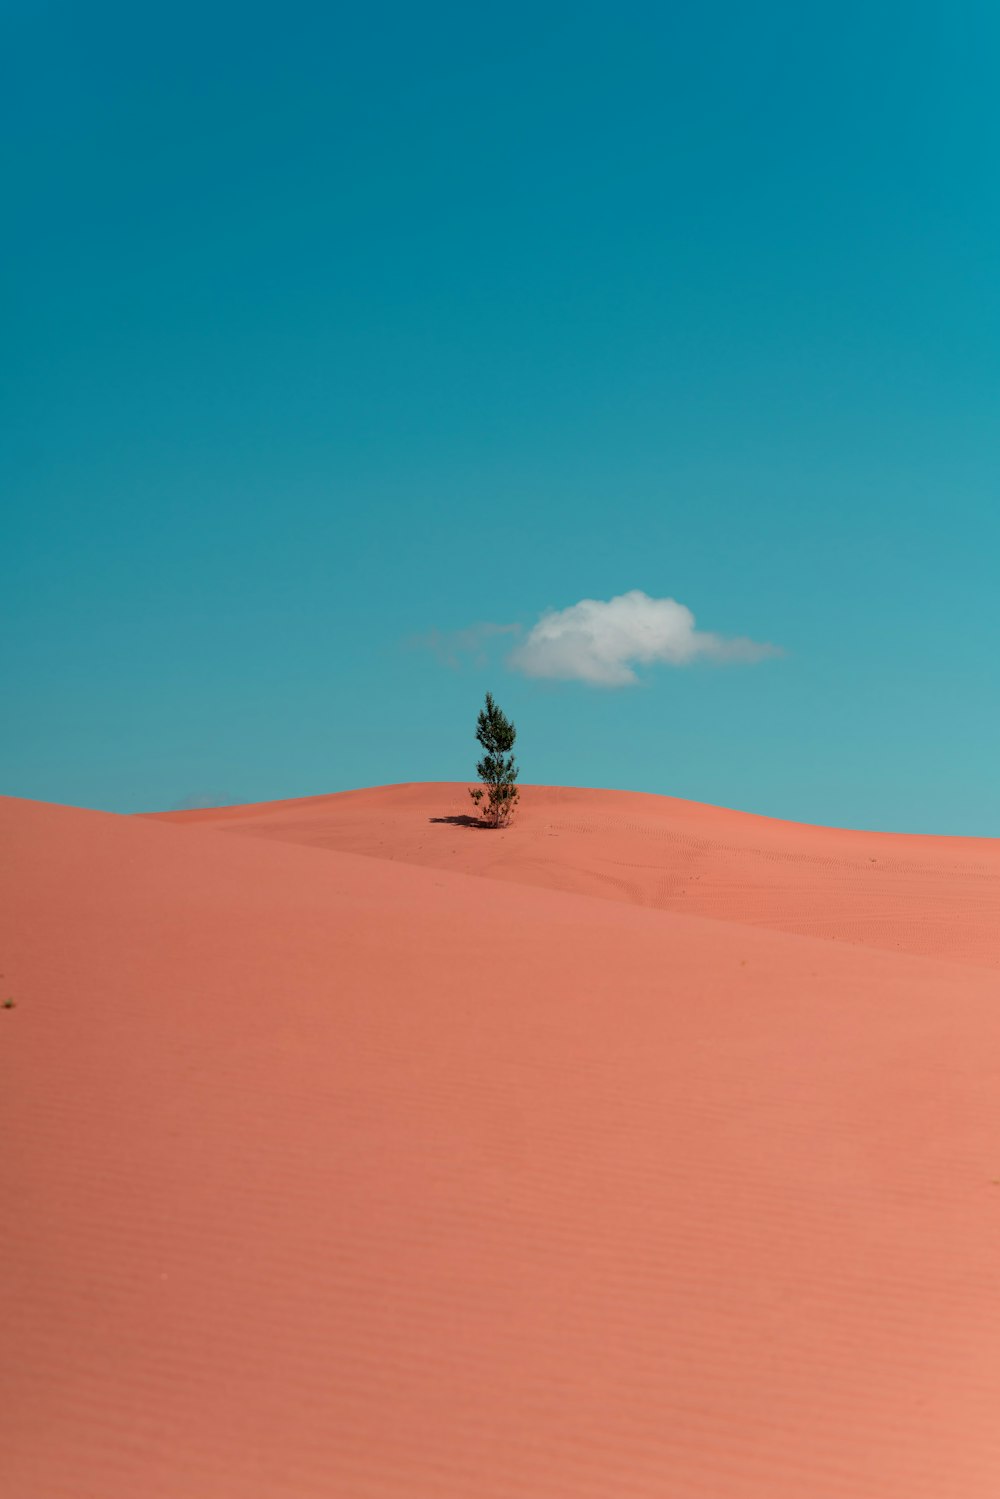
point(331, 331)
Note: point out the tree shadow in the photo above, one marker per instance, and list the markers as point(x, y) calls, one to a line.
point(461, 820)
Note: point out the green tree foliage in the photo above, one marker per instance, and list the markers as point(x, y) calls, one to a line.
point(496, 798)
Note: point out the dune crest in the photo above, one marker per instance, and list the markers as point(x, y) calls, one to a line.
point(939, 897)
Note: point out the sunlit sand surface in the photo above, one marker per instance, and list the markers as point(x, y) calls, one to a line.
point(644, 1150)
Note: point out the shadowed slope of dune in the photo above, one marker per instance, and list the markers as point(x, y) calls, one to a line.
point(930, 895)
point(330, 1176)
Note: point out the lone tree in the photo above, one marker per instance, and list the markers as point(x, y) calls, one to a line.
point(497, 797)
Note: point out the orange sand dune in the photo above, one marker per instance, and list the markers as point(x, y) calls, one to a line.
point(936, 896)
point(326, 1174)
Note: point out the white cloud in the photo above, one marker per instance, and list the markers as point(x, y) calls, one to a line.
point(452, 647)
point(601, 641)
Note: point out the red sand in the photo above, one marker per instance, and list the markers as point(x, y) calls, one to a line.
point(935, 896)
point(326, 1174)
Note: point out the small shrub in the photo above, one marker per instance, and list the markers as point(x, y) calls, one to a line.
point(497, 797)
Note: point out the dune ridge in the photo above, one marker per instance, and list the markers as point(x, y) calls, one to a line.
point(900, 891)
point(336, 1171)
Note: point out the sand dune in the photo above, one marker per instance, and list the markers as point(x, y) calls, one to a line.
point(332, 1168)
point(935, 896)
